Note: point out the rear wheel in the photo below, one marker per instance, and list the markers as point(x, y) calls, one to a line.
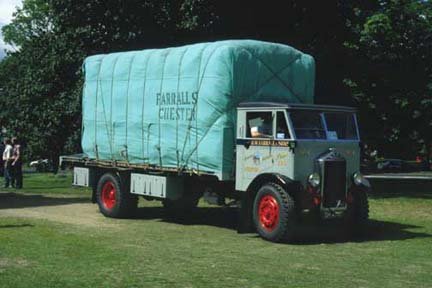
point(274, 213)
point(113, 197)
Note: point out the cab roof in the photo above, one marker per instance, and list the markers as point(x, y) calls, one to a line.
point(293, 106)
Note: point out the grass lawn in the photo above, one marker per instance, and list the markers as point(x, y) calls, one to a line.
point(48, 239)
point(48, 183)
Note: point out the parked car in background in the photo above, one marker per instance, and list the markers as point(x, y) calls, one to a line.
point(390, 165)
point(419, 164)
point(42, 165)
point(394, 165)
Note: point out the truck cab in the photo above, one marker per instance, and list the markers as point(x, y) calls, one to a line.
point(299, 158)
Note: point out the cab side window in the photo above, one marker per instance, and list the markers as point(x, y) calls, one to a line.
point(281, 126)
point(259, 125)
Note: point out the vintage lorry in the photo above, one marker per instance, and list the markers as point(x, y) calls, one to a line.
point(222, 120)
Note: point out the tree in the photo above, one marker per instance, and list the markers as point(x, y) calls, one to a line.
point(366, 46)
point(42, 81)
point(40, 102)
point(393, 82)
point(34, 19)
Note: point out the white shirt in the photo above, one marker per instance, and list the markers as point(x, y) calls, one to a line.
point(7, 153)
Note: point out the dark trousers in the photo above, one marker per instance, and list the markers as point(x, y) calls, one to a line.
point(16, 179)
point(7, 173)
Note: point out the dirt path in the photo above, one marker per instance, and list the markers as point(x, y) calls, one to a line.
point(78, 210)
point(59, 208)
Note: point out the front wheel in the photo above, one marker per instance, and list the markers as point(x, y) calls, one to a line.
point(274, 213)
point(113, 197)
point(358, 213)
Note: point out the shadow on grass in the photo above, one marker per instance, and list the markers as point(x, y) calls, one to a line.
point(222, 217)
point(376, 230)
point(39, 187)
point(401, 194)
point(307, 234)
point(389, 188)
point(15, 200)
point(16, 226)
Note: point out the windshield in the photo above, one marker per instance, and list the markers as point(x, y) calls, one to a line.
point(341, 126)
point(337, 126)
point(308, 125)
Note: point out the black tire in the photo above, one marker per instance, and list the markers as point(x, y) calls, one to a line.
point(358, 213)
point(113, 197)
point(279, 229)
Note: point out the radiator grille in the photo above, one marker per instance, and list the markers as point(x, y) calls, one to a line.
point(334, 182)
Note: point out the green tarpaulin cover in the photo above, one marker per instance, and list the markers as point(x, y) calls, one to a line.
point(176, 107)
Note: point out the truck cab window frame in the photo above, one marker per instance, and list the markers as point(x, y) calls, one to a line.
point(260, 124)
point(282, 126)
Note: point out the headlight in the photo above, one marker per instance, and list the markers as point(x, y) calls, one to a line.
point(359, 179)
point(314, 180)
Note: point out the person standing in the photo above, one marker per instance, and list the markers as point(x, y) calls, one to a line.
point(2, 147)
point(16, 179)
point(7, 158)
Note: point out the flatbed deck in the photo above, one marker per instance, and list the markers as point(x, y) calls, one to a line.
point(84, 160)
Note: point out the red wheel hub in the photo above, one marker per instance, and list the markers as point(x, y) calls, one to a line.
point(268, 212)
point(109, 195)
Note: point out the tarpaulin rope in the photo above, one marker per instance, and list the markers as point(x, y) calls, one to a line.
point(218, 79)
point(232, 106)
point(95, 121)
point(189, 126)
point(275, 74)
point(195, 110)
point(127, 107)
point(110, 128)
point(159, 148)
point(200, 81)
point(177, 118)
point(105, 120)
point(143, 105)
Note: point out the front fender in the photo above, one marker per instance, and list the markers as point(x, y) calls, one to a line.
point(291, 186)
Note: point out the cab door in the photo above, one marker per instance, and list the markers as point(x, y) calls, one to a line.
point(262, 145)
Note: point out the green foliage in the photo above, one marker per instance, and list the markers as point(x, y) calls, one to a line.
point(375, 54)
point(41, 99)
point(42, 82)
point(34, 19)
point(39, 83)
point(393, 84)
